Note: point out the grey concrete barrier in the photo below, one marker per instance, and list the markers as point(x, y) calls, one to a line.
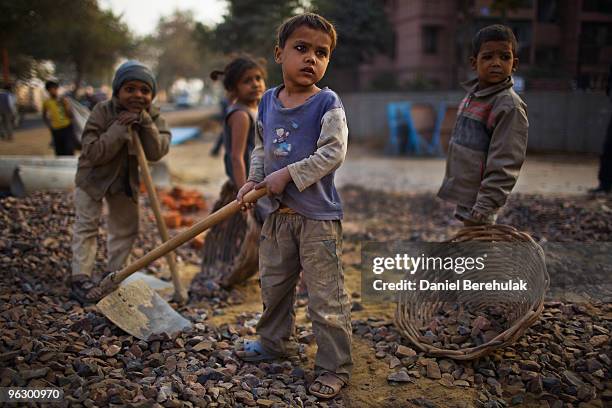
point(570, 122)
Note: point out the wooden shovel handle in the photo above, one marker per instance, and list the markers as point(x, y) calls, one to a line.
point(180, 294)
point(114, 278)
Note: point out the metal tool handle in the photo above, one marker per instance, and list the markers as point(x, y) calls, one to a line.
point(113, 279)
point(180, 294)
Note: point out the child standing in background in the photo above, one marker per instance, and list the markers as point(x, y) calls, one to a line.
point(223, 105)
point(8, 112)
point(301, 139)
point(489, 141)
point(108, 169)
point(244, 82)
point(58, 118)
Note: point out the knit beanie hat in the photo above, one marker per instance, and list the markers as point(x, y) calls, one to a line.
point(134, 70)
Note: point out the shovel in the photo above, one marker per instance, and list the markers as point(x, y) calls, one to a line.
point(135, 307)
point(180, 293)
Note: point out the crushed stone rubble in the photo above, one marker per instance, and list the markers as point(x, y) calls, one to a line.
point(49, 340)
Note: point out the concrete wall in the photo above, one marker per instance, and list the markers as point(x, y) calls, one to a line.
point(559, 121)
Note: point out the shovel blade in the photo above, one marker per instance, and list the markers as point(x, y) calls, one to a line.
point(165, 289)
point(141, 312)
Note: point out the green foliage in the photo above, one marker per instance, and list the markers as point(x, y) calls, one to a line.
point(21, 34)
point(503, 7)
point(250, 27)
point(210, 56)
point(180, 48)
point(362, 26)
point(21, 22)
point(178, 53)
point(78, 34)
point(92, 45)
point(363, 32)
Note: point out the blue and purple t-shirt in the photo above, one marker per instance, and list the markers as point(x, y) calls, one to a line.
point(311, 140)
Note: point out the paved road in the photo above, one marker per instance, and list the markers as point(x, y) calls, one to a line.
point(191, 164)
point(568, 174)
point(33, 138)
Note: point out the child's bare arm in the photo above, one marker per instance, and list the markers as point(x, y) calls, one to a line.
point(330, 153)
point(154, 135)
point(506, 155)
point(239, 123)
point(101, 144)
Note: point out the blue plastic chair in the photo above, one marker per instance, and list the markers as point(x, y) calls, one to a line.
point(398, 114)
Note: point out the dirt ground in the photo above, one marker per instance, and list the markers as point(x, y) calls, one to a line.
point(35, 139)
point(192, 166)
point(369, 386)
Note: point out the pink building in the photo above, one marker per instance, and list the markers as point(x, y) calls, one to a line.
point(559, 41)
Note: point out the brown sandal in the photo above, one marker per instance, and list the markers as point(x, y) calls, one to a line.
point(329, 380)
point(85, 291)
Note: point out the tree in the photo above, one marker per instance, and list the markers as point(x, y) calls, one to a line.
point(250, 27)
point(21, 34)
point(503, 7)
point(76, 34)
point(92, 42)
point(210, 56)
point(363, 29)
point(363, 32)
point(178, 51)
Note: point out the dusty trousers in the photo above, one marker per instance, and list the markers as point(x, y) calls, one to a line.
point(122, 231)
point(290, 243)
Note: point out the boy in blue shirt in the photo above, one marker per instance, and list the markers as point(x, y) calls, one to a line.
point(301, 139)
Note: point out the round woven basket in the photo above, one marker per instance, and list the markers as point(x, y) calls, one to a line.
point(525, 260)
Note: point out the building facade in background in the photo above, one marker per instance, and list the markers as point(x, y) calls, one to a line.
point(563, 44)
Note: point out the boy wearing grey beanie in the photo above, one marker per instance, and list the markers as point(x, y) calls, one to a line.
point(108, 169)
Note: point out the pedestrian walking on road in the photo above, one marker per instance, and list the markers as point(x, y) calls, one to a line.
point(58, 118)
point(8, 112)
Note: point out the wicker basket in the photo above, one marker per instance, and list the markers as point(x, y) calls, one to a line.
point(416, 309)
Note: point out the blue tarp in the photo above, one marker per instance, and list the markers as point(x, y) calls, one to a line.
point(182, 134)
